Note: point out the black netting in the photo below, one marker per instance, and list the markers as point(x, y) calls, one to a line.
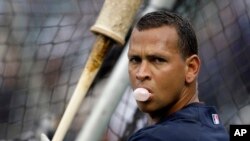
point(44, 45)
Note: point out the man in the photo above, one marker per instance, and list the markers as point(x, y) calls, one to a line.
point(163, 59)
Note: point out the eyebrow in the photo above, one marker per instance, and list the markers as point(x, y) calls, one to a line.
point(151, 55)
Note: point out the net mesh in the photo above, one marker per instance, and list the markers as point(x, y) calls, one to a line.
point(44, 46)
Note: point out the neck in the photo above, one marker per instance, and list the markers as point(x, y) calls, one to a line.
point(188, 96)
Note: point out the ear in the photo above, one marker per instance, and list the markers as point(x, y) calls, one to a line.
point(192, 68)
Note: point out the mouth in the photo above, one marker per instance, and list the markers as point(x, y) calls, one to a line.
point(148, 89)
point(142, 94)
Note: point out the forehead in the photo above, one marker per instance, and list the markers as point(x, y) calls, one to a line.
point(164, 37)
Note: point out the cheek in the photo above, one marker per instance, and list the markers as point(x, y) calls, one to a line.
point(132, 77)
point(171, 81)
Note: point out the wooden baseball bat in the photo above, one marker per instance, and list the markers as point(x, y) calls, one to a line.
point(112, 25)
point(92, 66)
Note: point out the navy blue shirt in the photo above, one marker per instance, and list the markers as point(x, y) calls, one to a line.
point(195, 122)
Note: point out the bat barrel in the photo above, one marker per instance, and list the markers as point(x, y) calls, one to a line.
point(115, 18)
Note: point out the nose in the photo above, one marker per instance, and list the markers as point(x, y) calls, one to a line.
point(142, 73)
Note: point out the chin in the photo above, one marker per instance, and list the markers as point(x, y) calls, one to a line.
point(153, 110)
point(146, 108)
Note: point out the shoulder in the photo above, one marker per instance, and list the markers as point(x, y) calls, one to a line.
point(161, 132)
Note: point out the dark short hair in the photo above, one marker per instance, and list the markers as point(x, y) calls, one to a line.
point(187, 38)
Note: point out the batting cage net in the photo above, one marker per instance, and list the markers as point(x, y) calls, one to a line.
point(44, 46)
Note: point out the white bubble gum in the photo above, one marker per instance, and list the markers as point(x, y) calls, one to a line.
point(141, 94)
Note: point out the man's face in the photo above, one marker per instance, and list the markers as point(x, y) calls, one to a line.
point(155, 63)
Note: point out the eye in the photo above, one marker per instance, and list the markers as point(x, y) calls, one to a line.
point(134, 59)
point(157, 60)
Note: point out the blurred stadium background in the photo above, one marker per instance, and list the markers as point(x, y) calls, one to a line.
point(44, 45)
